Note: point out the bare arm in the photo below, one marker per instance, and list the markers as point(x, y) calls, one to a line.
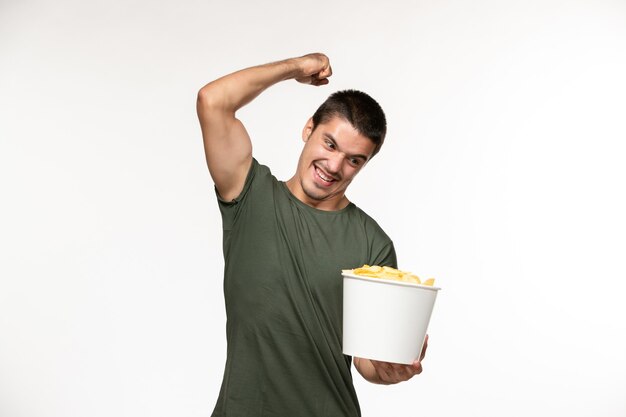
point(227, 144)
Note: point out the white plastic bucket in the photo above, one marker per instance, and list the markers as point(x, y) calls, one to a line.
point(385, 320)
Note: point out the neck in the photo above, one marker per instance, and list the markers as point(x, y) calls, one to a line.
point(331, 203)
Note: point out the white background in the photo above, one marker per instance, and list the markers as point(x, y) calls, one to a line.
point(502, 176)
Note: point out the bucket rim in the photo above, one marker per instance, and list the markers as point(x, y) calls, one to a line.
point(385, 281)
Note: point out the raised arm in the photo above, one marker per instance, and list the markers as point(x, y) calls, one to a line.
point(226, 142)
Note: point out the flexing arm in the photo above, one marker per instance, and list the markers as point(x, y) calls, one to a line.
point(226, 142)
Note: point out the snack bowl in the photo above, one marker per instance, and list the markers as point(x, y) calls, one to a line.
point(385, 319)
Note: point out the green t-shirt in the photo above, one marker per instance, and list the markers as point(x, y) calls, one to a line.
point(283, 293)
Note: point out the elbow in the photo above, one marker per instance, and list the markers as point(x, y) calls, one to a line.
point(205, 98)
point(213, 100)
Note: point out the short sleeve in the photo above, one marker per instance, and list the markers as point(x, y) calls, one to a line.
point(386, 256)
point(230, 209)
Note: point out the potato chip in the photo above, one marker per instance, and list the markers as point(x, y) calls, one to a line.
point(429, 281)
point(386, 272)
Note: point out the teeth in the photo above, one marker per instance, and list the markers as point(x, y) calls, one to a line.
point(323, 177)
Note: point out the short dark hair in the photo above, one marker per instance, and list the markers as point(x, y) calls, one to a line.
point(358, 108)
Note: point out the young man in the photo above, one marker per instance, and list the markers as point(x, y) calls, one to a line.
point(285, 244)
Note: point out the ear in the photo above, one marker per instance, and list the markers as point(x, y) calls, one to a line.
point(308, 129)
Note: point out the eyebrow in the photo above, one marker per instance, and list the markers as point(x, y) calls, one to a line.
point(332, 139)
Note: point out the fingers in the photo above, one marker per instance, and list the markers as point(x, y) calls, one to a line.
point(383, 370)
point(424, 348)
point(417, 368)
point(318, 82)
point(320, 78)
point(392, 373)
point(318, 64)
point(406, 372)
point(313, 80)
point(326, 72)
point(315, 69)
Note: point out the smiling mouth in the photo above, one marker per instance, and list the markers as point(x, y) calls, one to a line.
point(327, 180)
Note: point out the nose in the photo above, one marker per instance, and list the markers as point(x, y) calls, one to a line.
point(334, 162)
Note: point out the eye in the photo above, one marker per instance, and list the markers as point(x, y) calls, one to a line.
point(355, 161)
point(330, 144)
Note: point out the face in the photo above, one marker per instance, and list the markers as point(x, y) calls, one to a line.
point(333, 154)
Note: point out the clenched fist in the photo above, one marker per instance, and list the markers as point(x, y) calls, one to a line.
point(313, 69)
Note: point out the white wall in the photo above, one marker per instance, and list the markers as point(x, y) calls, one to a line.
point(502, 176)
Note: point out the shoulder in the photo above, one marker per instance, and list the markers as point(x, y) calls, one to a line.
point(261, 176)
point(381, 250)
point(258, 173)
point(258, 177)
point(371, 226)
